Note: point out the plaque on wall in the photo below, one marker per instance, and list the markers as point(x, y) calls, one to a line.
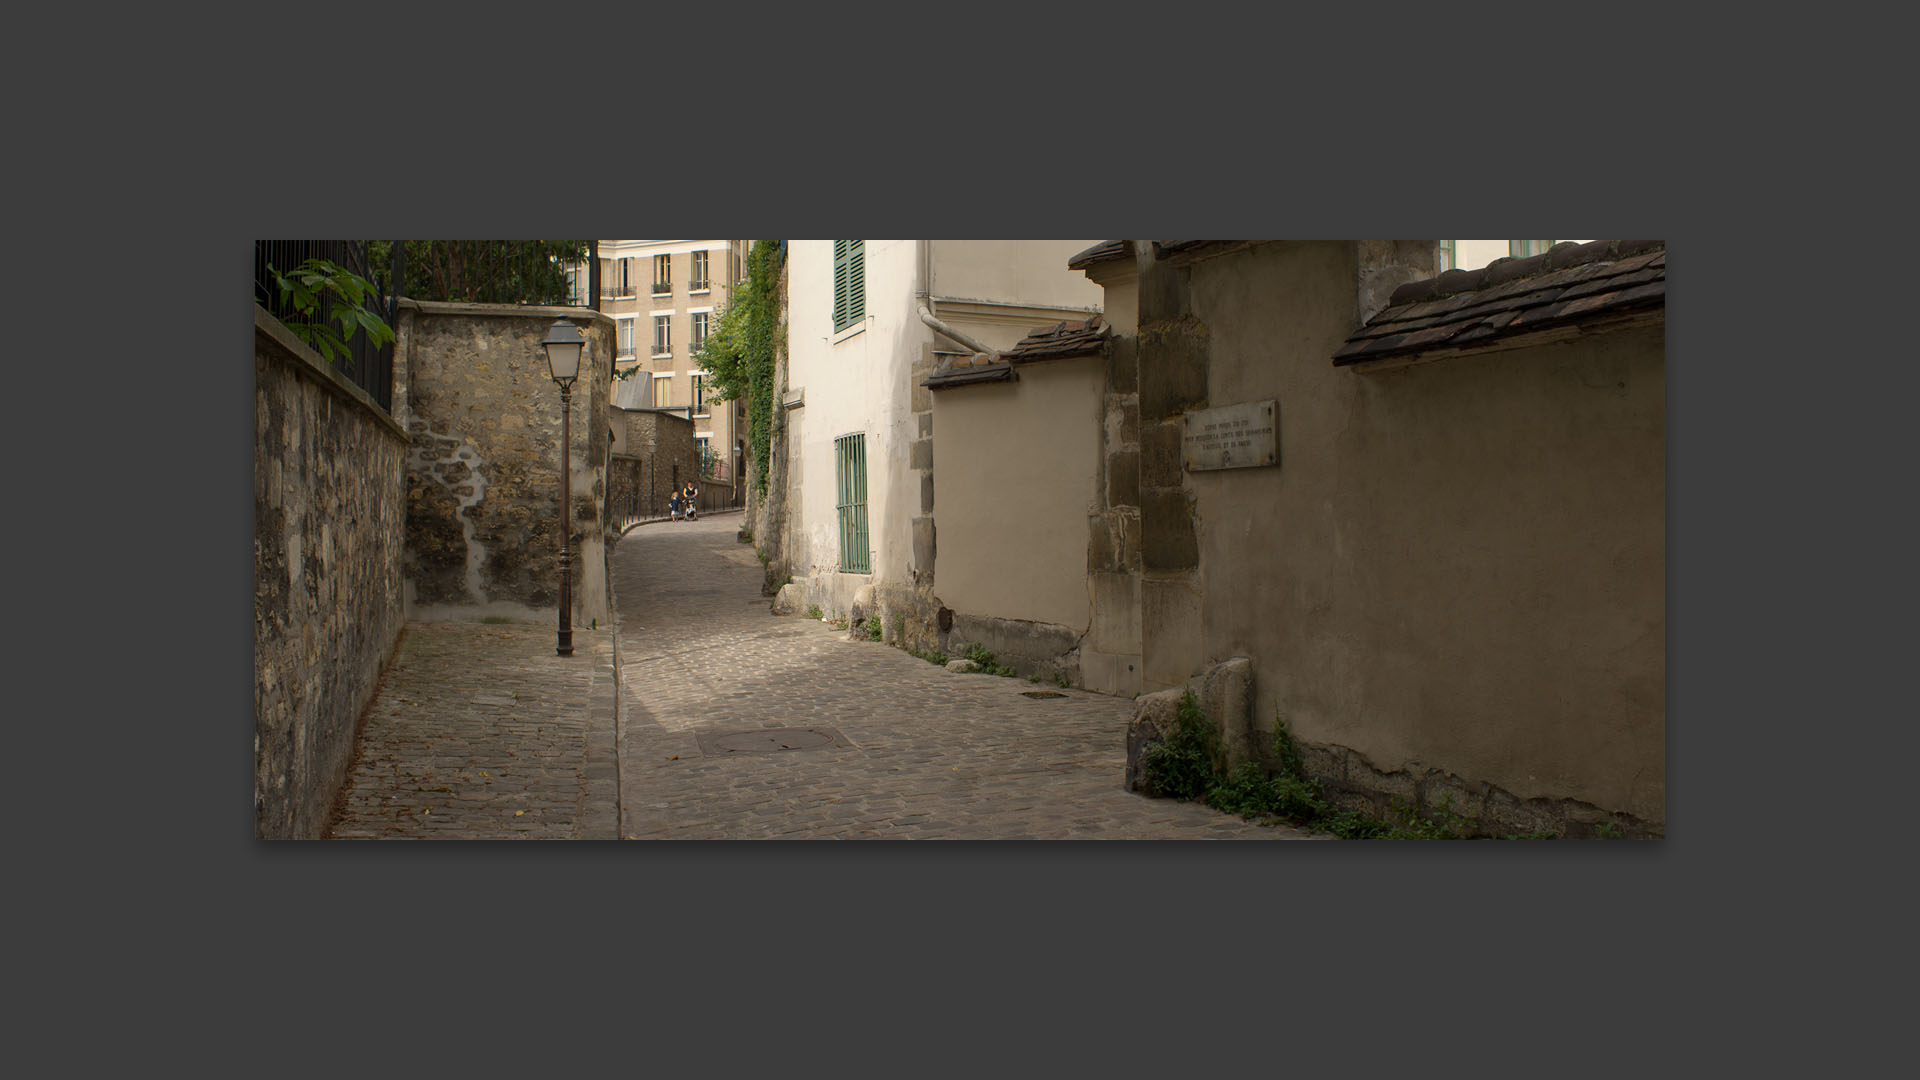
point(1232, 437)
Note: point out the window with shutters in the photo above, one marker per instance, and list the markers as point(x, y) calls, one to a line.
point(849, 283)
point(662, 274)
point(662, 339)
point(700, 395)
point(850, 467)
point(625, 327)
point(698, 281)
point(699, 331)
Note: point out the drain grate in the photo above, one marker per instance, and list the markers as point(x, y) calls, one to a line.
point(768, 740)
point(1041, 693)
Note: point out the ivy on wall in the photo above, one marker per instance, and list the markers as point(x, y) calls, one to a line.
point(738, 352)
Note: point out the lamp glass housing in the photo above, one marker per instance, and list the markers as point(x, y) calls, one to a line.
point(563, 342)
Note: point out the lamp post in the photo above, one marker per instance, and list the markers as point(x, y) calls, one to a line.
point(563, 342)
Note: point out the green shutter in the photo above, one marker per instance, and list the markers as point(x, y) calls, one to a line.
point(856, 285)
point(839, 285)
point(849, 283)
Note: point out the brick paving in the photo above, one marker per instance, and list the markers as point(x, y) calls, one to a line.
point(922, 752)
point(479, 731)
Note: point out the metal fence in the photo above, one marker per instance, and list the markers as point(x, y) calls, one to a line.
point(502, 272)
point(651, 503)
point(367, 366)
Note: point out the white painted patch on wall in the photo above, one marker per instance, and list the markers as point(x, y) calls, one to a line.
point(468, 456)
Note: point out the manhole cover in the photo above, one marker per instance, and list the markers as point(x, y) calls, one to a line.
point(768, 740)
point(1041, 693)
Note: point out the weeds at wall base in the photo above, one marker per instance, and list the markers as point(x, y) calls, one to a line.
point(1181, 765)
point(986, 662)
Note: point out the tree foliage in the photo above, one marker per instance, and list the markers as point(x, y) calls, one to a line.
point(483, 271)
point(326, 294)
point(738, 352)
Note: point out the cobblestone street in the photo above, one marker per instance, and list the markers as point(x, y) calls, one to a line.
point(480, 731)
point(903, 749)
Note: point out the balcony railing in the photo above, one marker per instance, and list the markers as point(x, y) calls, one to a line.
point(662, 288)
point(698, 286)
point(618, 292)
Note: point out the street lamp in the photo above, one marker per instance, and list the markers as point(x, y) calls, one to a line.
point(563, 342)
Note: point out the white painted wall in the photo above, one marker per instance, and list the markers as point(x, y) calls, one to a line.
point(855, 381)
point(860, 379)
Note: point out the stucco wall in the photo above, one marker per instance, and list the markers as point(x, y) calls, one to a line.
point(1457, 565)
point(483, 480)
point(855, 384)
point(1021, 462)
point(1025, 272)
point(865, 380)
point(329, 603)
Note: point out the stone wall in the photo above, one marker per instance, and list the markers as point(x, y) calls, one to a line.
point(329, 599)
point(660, 457)
point(483, 480)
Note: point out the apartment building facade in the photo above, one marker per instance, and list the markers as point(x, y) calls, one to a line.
point(664, 296)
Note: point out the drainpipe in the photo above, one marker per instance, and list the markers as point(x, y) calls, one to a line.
point(927, 317)
point(926, 314)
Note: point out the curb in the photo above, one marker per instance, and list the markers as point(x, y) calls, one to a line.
point(601, 819)
point(723, 512)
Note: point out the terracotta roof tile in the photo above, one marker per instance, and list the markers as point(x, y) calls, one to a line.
point(962, 376)
point(1058, 340)
point(1110, 251)
point(1461, 308)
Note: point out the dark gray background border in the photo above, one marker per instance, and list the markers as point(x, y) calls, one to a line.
point(1144, 955)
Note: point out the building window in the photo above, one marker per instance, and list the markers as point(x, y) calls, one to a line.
point(662, 274)
point(850, 466)
point(700, 395)
point(662, 391)
point(1449, 254)
point(1521, 249)
point(662, 335)
point(626, 338)
point(699, 331)
point(699, 278)
point(849, 283)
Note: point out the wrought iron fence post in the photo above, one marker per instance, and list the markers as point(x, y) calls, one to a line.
point(593, 273)
point(399, 271)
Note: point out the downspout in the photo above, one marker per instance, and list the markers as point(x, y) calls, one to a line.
point(981, 352)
